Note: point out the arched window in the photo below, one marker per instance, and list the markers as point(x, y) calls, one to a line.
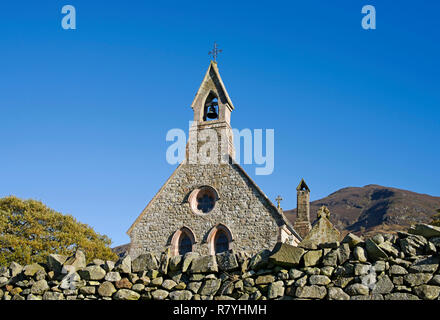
point(219, 239)
point(182, 241)
point(221, 242)
point(185, 244)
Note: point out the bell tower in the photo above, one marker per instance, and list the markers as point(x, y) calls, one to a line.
point(302, 223)
point(210, 137)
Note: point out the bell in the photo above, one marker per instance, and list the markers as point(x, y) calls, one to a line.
point(212, 113)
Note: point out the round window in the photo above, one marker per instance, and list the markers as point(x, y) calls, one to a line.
point(202, 200)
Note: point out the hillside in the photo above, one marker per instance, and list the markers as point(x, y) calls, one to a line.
point(372, 209)
point(121, 250)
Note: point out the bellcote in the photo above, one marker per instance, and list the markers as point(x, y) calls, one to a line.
point(211, 136)
point(212, 96)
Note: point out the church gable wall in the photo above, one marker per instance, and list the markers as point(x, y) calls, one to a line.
point(240, 207)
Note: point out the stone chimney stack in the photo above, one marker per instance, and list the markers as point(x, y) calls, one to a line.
point(302, 223)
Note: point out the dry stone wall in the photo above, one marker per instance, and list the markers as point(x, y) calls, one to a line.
point(386, 267)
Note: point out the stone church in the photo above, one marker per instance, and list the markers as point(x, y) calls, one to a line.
point(214, 207)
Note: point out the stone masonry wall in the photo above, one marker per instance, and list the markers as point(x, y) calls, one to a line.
point(241, 208)
point(386, 267)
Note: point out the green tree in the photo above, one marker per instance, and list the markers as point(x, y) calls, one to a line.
point(29, 231)
point(436, 218)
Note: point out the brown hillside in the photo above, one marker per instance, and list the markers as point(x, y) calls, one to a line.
point(372, 209)
point(121, 250)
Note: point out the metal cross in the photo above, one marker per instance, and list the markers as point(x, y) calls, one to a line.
point(215, 52)
point(279, 199)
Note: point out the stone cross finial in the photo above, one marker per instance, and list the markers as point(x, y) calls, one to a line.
point(215, 52)
point(278, 200)
point(324, 212)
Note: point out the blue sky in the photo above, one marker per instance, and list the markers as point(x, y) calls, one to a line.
point(85, 112)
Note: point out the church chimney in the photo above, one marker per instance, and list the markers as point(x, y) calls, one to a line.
point(302, 223)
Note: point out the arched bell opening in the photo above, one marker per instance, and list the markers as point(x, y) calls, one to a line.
point(211, 108)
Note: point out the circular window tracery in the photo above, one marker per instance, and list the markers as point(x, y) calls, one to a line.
point(202, 200)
